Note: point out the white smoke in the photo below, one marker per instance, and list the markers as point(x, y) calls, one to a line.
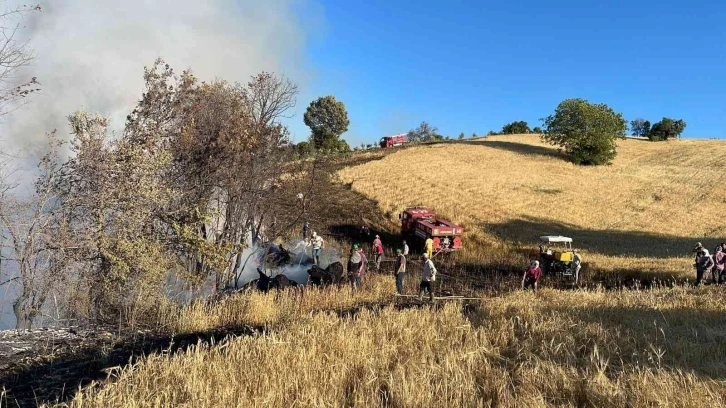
point(91, 53)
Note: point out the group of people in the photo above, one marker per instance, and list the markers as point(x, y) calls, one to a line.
point(706, 263)
point(357, 267)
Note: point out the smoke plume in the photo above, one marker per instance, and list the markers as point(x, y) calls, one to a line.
point(91, 53)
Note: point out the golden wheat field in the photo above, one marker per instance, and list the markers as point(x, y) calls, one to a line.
point(659, 348)
point(643, 213)
point(330, 347)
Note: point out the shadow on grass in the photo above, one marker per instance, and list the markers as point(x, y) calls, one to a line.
point(58, 379)
point(522, 148)
point(607, 242)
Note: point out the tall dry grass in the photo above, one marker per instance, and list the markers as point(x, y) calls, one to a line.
point(642, 213)
point(565, 349)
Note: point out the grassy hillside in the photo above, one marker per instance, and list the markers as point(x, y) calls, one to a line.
point(573, 348)
point(643, 213)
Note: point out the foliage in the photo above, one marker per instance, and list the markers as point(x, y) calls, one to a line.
point(327, 119)
point(304, 148)
point(640, 127)
point(666, 129)
point(461, 136)
point(537, 130)
point(587, 132)
point(423, 133)
point(516, 128)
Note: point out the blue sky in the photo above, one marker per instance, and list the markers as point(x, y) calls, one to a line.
point(468, 66)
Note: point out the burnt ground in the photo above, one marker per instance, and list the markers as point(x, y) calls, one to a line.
point(46, 366)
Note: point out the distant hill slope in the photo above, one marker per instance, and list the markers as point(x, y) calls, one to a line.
point(642, 213)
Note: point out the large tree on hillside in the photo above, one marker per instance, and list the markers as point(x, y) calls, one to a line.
point(327, 119)
point(666, 129)
point(587, 132)
point(518, 127)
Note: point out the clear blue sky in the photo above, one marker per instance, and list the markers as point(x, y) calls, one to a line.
point(467, 66)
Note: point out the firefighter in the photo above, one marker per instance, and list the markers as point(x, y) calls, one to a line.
point(429, 247)
point(428, 278)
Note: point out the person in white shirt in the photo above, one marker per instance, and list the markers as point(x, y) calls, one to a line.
point(318, 244)
point(405, 248)
point(429, 276)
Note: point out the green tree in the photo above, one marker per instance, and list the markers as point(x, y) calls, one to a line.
point(473, 135)
point(327, 119)
point(587, 132)
point(667, 128)
point(461, 136)
point(537, 130)
point(518, 127)
point(640, 127)
point(423, 133)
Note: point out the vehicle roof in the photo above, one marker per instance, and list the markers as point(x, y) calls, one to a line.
point(418, 210)
point(554, 238)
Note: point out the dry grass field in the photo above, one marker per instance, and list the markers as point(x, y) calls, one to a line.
point(557, 348)
point(642, 214)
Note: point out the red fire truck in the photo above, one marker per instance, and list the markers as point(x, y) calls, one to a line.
point(423, 224)
point(395, 140)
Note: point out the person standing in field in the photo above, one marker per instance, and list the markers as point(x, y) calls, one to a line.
point(400, 271)
point(576, 265)
point(378, 250)
point(354, 261)
point(531, 276)
point(697, 252)
point(719, 264)
point(305, 229)
point(405, 248)
point(299, 198)
point(318, 244)
point(356, 270)
point(428, 278)
point(429, 247)
point(703, 266)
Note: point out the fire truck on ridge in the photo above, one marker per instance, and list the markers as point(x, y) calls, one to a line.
point(395, 140)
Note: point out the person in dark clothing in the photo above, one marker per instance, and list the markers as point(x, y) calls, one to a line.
point(703, 266)
point(305, 229)
point(400, 271)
